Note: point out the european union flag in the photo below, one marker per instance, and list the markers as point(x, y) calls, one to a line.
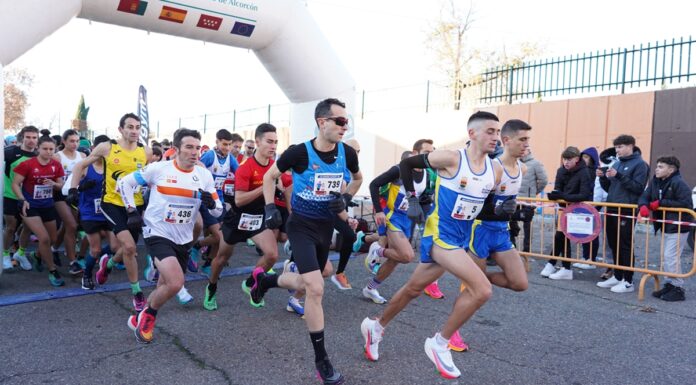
point(242, 29)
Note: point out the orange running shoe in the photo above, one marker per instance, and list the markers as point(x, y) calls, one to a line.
point(146, 327)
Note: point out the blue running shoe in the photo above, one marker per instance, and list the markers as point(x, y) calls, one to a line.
point(150, 270)
point(120, 266)
point(195, 256)
point(358, 241)
point(295, 306)
point(36, 262)
point(205, 269)
point(55, 278)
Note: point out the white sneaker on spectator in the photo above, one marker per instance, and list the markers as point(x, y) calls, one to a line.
point(611, 282)
point(7, 262)
point(584, 266)
point(548, 270)
point(563, 273)
point(622, 287)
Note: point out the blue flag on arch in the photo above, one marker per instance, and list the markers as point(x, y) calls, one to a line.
point(242, 29)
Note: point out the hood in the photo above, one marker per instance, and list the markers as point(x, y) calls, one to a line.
point(592, 152)
point(527, 157)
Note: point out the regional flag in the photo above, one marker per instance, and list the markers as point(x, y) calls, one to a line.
point(242, 29)
point(136, 7)
point(173, 14)
point(209, 22)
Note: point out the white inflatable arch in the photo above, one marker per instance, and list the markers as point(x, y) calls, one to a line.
point(281, 33)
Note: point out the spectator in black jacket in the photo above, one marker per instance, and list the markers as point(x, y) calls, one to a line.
point(573, 184)
point(668, 189)
point(624, 181)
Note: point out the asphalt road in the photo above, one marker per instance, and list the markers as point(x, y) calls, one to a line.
point(557, 332)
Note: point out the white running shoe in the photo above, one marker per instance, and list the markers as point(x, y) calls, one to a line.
point(184, 296)
point(373, 294)
point(287, 248)
point(622, 287)
point(442, 358)
point(7, 262)
point(372, 332)
point(24, 263)
point(548, 270)
point(611, 282)
point(563, 273)
point(584, 266)
point(372, 259)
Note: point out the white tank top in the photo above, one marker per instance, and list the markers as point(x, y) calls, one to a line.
point(69, 164)
point(509, 186)
point(462, 196)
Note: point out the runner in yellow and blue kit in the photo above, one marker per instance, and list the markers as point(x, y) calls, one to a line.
point(465, 178)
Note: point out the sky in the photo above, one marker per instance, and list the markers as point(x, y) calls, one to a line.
point(382, 44)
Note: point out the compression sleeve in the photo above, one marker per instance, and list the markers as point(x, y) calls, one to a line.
point(407, 165)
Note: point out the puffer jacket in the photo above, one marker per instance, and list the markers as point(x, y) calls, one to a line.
point(671, 192)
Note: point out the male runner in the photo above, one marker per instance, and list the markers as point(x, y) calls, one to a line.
point(465, 178)
point(14, 155)
point(120, 157)
point(177, 189)
point(246, 219)
point(318, 170)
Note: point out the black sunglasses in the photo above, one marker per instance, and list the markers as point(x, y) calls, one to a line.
point(339, 120)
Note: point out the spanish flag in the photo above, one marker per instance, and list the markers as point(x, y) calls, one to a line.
point(173, 14)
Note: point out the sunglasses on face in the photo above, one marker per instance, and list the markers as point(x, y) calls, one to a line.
point(339, 120)
point(250, 147)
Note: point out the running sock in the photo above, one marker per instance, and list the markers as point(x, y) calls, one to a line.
point(20, 250)
point(89, 264)
point(212, 288)
point(318, 345)
point(151, 311)
point(440, 340)
point(269, 281)
point(135, 287)
point(110, 264)
point(374, 284)
point(6, 253)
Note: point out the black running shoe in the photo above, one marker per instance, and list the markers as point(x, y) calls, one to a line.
point(257, 292)
point(87, 283)
point(676, 294)
point(327, 374)
point(75, 268)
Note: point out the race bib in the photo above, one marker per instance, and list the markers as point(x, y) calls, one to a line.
point(466, 209)
point(403, 206)
point(250, 222)
point(178, 213)
point(97, 206)
point(219, 182)
point(43, 192)
point(325, 183)
point(229, 190)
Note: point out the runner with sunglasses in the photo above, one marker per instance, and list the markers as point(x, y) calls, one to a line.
point(34, 183)
point(318, 169)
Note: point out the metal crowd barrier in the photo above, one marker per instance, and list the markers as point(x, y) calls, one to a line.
point(547, 221)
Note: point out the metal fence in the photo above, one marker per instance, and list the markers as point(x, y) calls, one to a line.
point(651, 65)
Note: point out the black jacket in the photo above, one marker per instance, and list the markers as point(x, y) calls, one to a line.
point(576, 184)
point(630, 180)
point(671, 192)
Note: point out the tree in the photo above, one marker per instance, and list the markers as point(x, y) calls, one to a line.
point(17, 84)
point(448, 41)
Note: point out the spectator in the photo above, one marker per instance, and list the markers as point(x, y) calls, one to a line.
point(533, 183)
point(668, 189)
point(573, 184)
point(10, 140)
point(156, 154)
point(590, 249)
point(624, 182)
point(237, 144)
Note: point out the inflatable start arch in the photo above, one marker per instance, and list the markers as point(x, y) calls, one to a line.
point(281, 33)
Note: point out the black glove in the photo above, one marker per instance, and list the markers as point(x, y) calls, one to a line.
point(506, 208)
point(207, 199)
point(73, 197)
point(524, 213)
point(348, 199)
point(415, 211)
point(135, 222)
point(86, 185)
point(338, 204)
point(272, 216)
point(279, 194)
point(426, 199)
point(555, 195)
